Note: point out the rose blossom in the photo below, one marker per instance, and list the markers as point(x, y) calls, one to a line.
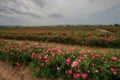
point(46, 61)
point(92, 64)
point(96, 71)
point(69, 71)
point(33, 55)
point(74, 64)
point(76, 75)
point(112, 69)
point(42, 64)
point(40, 57)
point(84, 76)
point(115, 73)
point(68, 61)
point(78, 71)
point(18, 64)
point(114, 58)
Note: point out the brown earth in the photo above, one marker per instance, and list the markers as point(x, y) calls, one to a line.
point(8, 72)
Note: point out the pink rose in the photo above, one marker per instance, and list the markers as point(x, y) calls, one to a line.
point(112, 69)
point(53, 54)
point(46, 61)
point(78, 71)
point(68, 61)
point(42, 64)
point(40, 57)
point(114, 73)
point(74, 64)
point(69, 71)
point(59, 50)
point(73, 48)
point(96, 71)
point(114, 58)
point(33, 55)
point(76, 75)
point(92, 64)
point(18, 64)
point(46, 56)
point(84, 76)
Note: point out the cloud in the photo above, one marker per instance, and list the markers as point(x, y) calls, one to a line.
point(19, 7)
point(40, 3)
point(55, 15)
point(39, 12)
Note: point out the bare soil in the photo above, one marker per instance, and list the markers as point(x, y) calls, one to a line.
point(8, 72)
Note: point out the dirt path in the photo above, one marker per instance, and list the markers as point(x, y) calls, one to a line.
point(8, 72)
point(102, 30)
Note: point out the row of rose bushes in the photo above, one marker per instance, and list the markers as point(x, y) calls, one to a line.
point(102, 41)
point(67, 64)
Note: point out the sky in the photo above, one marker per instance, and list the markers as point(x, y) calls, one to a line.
point(56, 12)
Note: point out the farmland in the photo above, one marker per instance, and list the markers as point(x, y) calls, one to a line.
point(91, 53)
point(90, 36)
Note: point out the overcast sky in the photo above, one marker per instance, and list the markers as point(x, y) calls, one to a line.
point(52, 12)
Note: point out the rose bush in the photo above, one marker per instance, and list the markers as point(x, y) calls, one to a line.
point(78, 65)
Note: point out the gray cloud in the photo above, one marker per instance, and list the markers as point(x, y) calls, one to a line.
point(40, 3)
point(17, 7)
point(55, 15)
point(4, 10)
point(7, 17)
point(41, 12)
point(24, 13)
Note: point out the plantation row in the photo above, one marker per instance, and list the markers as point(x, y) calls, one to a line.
point(54, 62)
point(108, 37)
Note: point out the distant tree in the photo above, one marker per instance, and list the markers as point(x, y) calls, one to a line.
point(110, 25)
point(116, 25)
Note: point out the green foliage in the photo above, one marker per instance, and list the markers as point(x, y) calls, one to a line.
point(55, 63)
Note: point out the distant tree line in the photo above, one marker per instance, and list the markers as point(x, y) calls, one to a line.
point(65, 25)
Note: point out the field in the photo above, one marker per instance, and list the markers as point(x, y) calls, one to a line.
point(90, 36)
point(63, 53)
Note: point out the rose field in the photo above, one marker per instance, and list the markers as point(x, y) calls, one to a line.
point(108, 36)
point(63, 53)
